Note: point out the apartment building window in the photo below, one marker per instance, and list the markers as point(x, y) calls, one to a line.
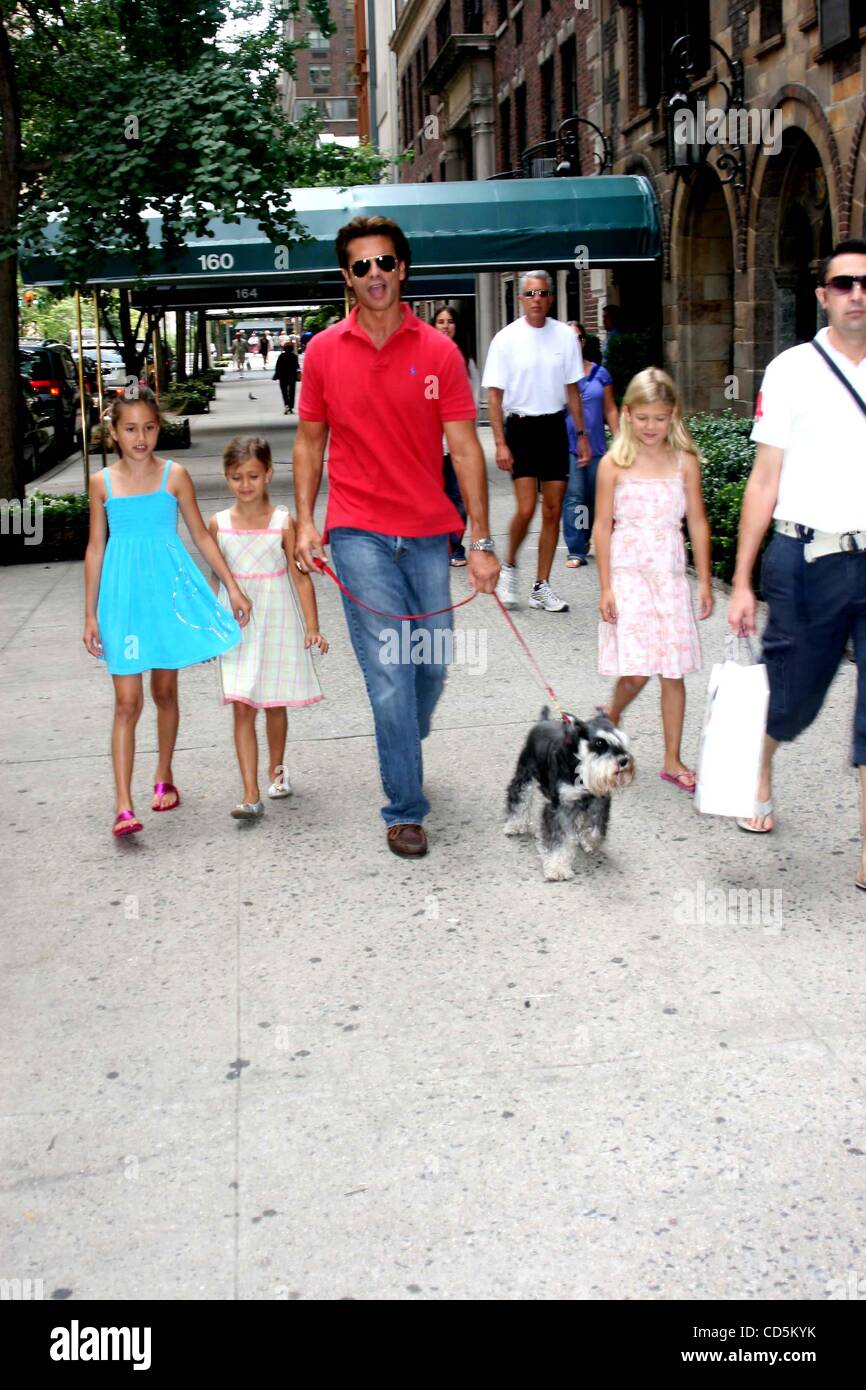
point(658, 29)
point(518, 28)
point(419, 78)
point(568, 77)
point(501, 12)
point(548, 109)
point(545, 7)
point(771, 19)
point(840, 21)
point(443, 26)
point(520, 118)
point(473, 16)
point(320, 44)
point(505, 132)
point(320, 78)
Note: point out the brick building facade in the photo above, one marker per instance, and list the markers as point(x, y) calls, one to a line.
point(744, 224)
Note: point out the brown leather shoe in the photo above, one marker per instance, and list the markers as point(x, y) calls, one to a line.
point(409, 841)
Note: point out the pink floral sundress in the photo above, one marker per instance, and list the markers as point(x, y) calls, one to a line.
point(655, 632)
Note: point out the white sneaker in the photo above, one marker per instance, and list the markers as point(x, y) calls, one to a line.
point(506, 589)
point(543, 596)
point(279, 789)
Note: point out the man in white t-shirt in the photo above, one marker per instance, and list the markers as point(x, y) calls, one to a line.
point(532, 370)
point(809, 478)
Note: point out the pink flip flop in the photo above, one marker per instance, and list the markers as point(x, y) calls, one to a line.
point(126, 823)
point(160, 789)
point(677, 779)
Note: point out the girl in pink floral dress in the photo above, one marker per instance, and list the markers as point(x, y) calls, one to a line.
point(647, 483)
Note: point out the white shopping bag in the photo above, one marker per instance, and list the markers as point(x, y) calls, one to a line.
point(729, 762)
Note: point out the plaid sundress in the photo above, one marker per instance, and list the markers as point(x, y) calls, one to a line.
point(270, 666)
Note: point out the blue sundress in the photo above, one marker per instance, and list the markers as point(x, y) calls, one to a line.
point(156, 610)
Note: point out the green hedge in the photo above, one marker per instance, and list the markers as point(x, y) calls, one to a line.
point(727, 455)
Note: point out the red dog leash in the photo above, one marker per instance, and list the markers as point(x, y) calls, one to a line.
point(326, 569)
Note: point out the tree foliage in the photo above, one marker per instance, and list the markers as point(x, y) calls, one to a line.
point(137, 107)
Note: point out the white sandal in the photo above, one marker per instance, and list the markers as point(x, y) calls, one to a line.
point(248, 810)
point(762, 808)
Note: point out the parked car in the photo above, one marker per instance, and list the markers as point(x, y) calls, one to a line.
point(114, 373)
point(38, 450)
point(51, 372)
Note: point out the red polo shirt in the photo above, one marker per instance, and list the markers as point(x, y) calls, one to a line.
point(384, 408)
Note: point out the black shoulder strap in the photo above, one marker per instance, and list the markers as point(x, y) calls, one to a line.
point(840, 374)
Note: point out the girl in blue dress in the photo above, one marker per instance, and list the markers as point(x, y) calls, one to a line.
point(148, 607)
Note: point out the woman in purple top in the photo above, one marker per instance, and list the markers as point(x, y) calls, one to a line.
point(599, 407)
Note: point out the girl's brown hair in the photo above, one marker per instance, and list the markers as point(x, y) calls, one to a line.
point(133, 395)
point(246, 446)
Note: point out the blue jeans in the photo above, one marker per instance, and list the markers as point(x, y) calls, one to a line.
point(579, 493)
point(404, 676)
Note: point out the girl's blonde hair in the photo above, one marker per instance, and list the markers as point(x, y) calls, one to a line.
point(648, 388)
point(246, 446)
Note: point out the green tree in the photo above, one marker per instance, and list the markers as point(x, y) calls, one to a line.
point(136, 107)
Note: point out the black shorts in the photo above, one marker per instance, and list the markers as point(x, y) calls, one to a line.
point(813, 610)
point(539, 447)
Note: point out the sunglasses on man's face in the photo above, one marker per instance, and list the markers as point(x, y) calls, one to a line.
point(536, 294)
point(361, 268)
point(844, 284)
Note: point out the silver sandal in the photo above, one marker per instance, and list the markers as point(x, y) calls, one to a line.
point(248, 810)
point(762, 808)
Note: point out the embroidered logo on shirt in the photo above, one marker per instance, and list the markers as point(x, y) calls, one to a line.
point(412, 371)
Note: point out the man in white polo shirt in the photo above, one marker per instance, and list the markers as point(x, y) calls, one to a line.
point(532, 370)
point(809, 477)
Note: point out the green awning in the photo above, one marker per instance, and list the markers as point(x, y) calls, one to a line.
point(485, 225)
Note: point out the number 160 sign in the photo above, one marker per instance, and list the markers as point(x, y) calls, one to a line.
point(216, 261)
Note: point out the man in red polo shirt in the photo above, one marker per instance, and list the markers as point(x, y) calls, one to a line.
point(383, 385)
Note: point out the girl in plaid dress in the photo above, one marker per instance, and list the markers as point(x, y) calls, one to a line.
point(272, 667)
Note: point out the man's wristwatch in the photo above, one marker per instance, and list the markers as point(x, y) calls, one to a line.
point(486, 545)
point(579, 433)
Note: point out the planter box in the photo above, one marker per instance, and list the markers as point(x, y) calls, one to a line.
point(61, 540)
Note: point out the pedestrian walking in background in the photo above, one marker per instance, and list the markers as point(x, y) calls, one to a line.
point(286, 373)
point(148, 606)
point(447, 320)
point(239, 352)
point(253, 345)
point(265, 348)
point(599, 407)
point(272, 667)
point(366, 385)
point(808, 479)
point(647, 482)
point(532, 370)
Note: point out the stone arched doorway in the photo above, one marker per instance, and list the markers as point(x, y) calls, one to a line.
point(793, 231)
point(705, 296)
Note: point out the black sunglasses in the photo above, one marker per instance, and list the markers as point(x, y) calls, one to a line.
point(362, 268)
point(844, 284)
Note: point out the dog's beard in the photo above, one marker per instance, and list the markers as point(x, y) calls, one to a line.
point(602, 774)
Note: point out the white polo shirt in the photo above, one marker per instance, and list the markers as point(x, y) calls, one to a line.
point(804, 409)
point(533, 366)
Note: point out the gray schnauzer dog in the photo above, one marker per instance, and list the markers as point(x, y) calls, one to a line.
point(576, 765)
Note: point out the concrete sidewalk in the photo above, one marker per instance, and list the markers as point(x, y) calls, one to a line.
point(276, 1062)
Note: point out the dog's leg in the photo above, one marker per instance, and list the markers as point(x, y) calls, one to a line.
point(518, 800)
point(592, 826)
point(556, 844)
